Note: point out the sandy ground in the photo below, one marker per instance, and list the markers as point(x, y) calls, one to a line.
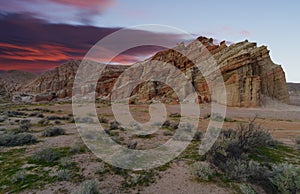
point(283, 121)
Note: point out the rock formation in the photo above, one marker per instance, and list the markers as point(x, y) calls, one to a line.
point(11, 81)
point(248, 73)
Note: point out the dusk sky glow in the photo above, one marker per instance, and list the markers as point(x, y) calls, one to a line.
point(37, 35)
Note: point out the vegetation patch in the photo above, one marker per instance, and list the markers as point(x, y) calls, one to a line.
point(53, 131)
point(19, 139)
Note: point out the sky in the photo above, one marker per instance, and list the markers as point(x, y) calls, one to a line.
point(36, 35)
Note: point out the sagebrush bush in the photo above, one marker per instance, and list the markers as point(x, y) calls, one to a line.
point(84, 120)
point(234, 143)
point(202, 170)
point(19, 139)
point(88, 187)
point(168, 133)
point(63, 175)
point(246, 189)
point(65, 162)
point(78, 147)
point(103, 120)
point(36, 114)
point(53, 117)
point(286, 178)
point(43, 122)
point(46, 155)
point(25, 126)
point(19, 176)
point(15, 114)
point(198, 135)
point(53, 131)
point(113, 125)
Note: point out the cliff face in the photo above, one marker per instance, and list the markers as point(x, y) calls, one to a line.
point(248, 72)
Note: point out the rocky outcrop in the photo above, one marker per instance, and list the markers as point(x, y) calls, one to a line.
point(12, 81)
point(58, 82)
point(248, 73)
point(247, 70)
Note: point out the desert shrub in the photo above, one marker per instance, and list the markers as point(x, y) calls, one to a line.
point(53, 117)
point(57, 122)
point(15, 114)
point(43, 122)
point(246, 189)
point(17, 130)
point(175, 115)
point(37, 114)
point(63, 175)
point(132, 144)
point(88, 187)
point(167, 123)
point(45, 110)
point(202, 170)
point(103, 120)
point(2, 118)
point(168, 133)
point(173, 125)
point(100, 169)
point(84, 120)
point(286, 178)
point(170, 124)
point(198, 135)
point(78, 147)
point(19, 176)
point(236, 169)
point(19, 139)
point(25, 125)
point(53, 131)
point(142, 178)
point(234, 143)
point(251, 136)
point(46, 155)
point(65, 162)
point(113, 125)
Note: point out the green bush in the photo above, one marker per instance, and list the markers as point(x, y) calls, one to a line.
point(88, 187)
point(53, 131)
point(19, 139)
point(246, 189)
point(286, 178)
point(202, 170)
point(46, 155)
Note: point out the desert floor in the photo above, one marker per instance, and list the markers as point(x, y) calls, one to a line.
point(282, 121)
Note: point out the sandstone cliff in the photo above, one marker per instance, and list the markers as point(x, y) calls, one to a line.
point(248, 72)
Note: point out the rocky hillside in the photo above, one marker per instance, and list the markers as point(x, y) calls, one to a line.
point(248, 72)
point(58, 82)
point(12, 80)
